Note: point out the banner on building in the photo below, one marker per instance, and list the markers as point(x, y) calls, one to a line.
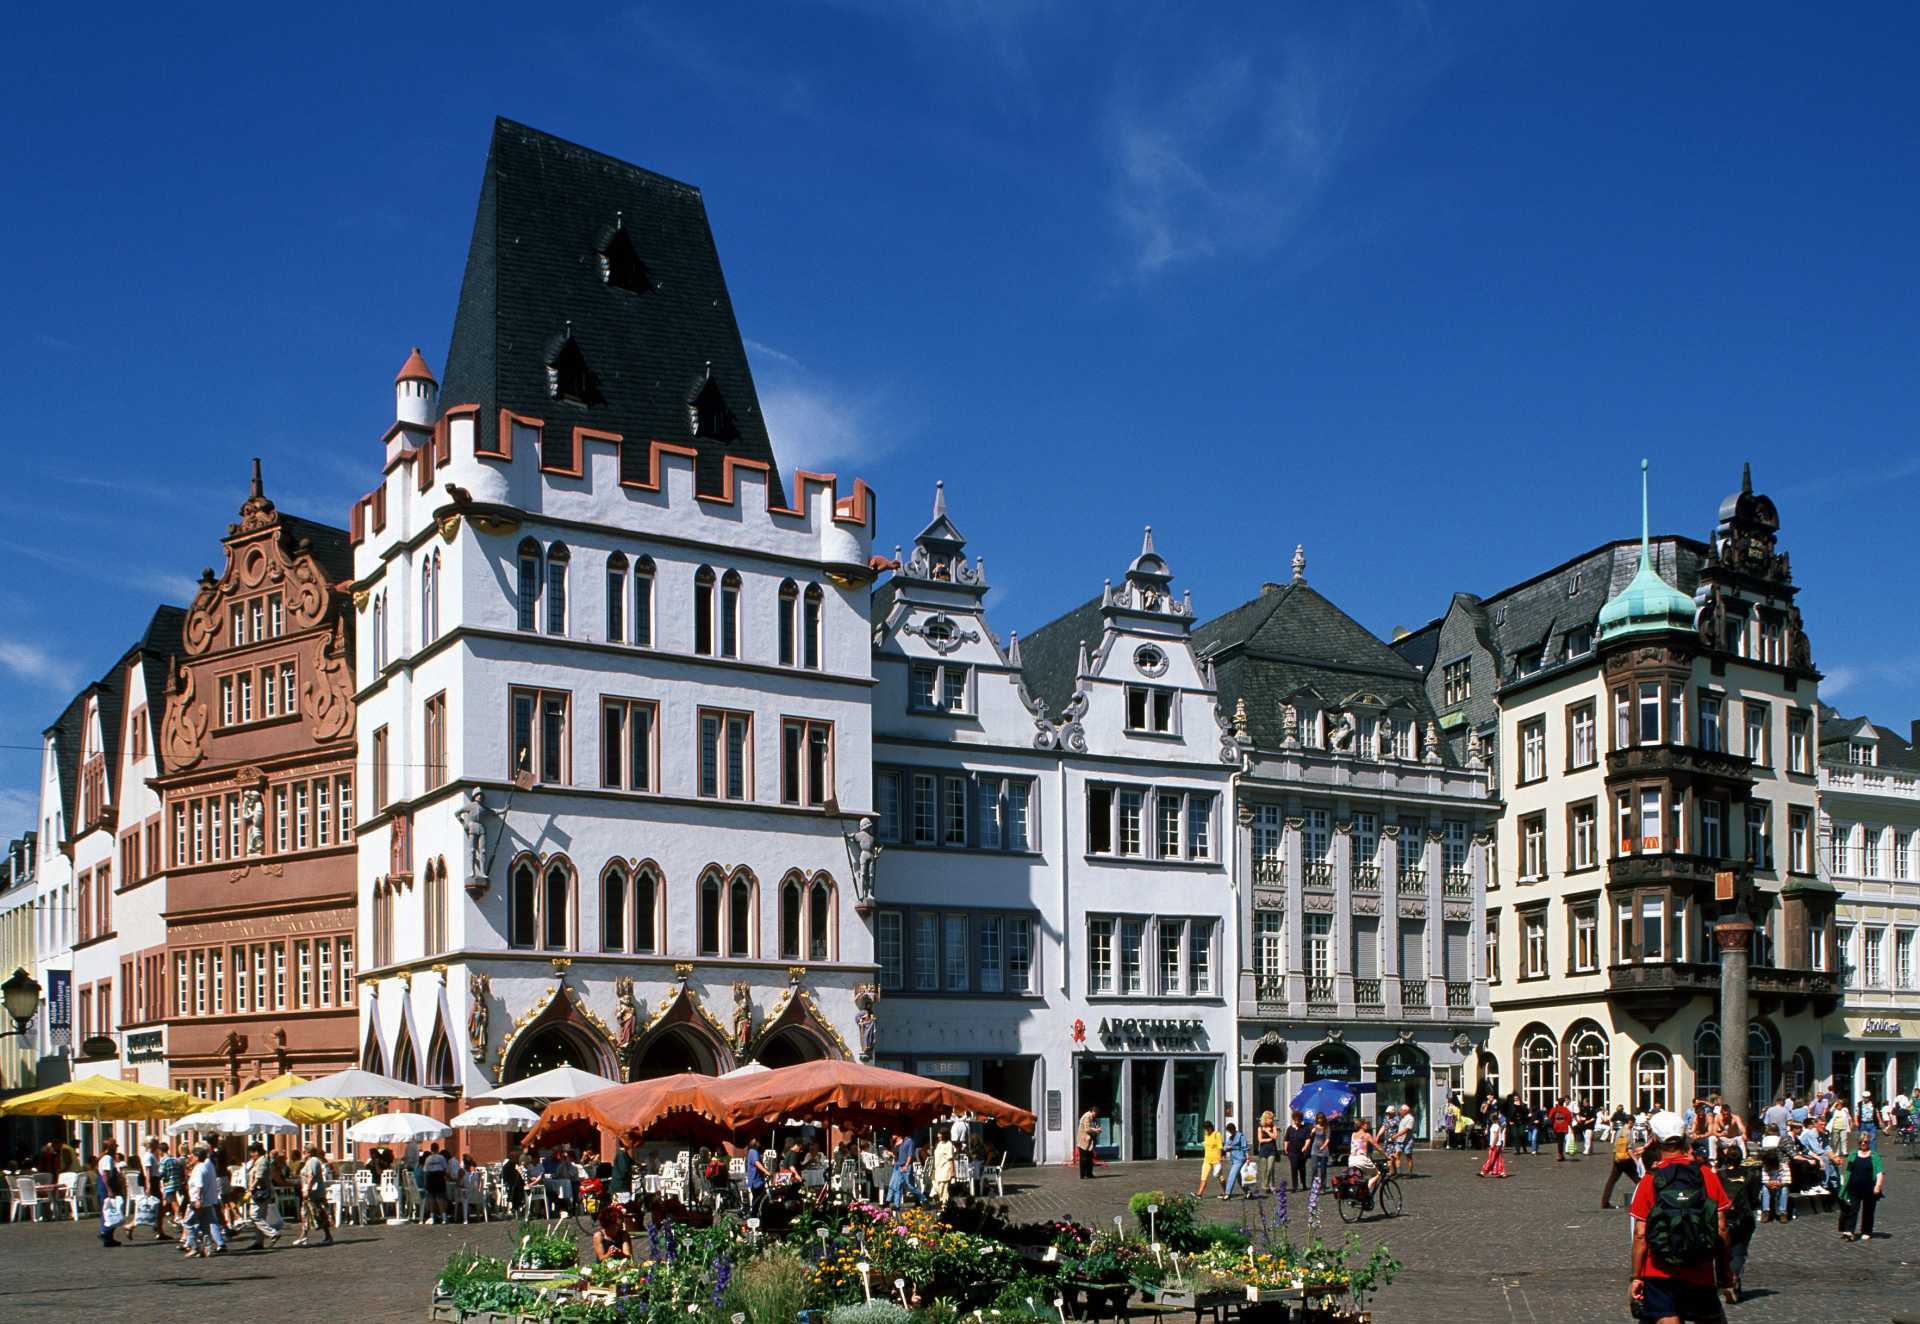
point(59, 1007)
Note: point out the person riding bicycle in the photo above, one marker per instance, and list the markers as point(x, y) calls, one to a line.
point(1360, 1156)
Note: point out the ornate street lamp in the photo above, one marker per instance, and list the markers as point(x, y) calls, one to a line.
point(21, 997)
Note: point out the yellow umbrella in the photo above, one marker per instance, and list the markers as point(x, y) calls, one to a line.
point(307, 1112)
point(102, 1099)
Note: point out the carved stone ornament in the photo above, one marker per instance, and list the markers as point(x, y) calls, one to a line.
point(183, 729)
point(1343, 827)
point(1453, 910)
point(1366, 903)
point(742, 1021)
point(1382, 739)
point(1336, 1036)
point(1319, 903)
point(1295, 824)
point(329, 686)
point(683, 970)
point(1241, 730)
point(941, 634)
point(1412, 908)
point(1289, 726)
point(1229, 742)
point(1435, 835)
point(866, 1021)
point(261, 557)
point(1432, 743)
point(1390, 830)
point(1483, 838)
point(1071, 736)
point(1340, 732)
point(626, 1016)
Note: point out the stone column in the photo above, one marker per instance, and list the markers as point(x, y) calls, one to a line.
point(1733, 936)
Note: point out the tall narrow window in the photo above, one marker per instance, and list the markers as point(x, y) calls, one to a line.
point(530, 577)
point(626, 745)
point(812, 606)
point(703, 583)
point(789, 622)
point(739, 918)
point(643, 602)
point(730, 614)
point(613, 910)
point(819, 920)
point(378, 755)
point(557, 559)
point(616, 599)
point(710, 916)
point(557, 902)
point(723, 754)
point(646, 913)
point(790, 925)
point(520, 906)
point(806, 761)
point(429, 598)
point(434, 722)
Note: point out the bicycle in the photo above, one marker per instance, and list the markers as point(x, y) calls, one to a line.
point(1356, 1202)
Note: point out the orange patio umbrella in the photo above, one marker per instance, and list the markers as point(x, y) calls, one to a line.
point(665, 1108)
point(850, 1094)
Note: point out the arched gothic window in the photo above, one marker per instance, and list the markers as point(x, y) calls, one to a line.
point(819, 921)
point(556, 921)
point(730, 614)
point(531, 574)
point(614, 935)
point(710, 915)
point(1588, 1062)
point(810, 627)
point(647, 915)
point(789, 621)
point(616, 599)
point(703, 582)
point(557, 559)
point(740, 918)
point(405, 1066)
point(1706, 1060)
point(521, 907)
point(643, 602)
point(790, 918)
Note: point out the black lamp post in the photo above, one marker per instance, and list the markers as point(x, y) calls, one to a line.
point(21, 997)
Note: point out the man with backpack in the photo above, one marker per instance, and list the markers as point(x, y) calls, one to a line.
point(1680, 1236)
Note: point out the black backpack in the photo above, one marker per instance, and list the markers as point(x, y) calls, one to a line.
point(1683, 1228)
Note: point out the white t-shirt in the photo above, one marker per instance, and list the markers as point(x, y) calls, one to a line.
point(1404, 1128)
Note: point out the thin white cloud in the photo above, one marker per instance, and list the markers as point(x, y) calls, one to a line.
point(761, 350)
point(19, 810)
point(46, 341)
point(1847, 677)
point(33, 663)
point(1230, 156)
point(175, 588)
point(814, 428)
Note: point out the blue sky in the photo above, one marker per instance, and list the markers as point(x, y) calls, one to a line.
point(1412, 285)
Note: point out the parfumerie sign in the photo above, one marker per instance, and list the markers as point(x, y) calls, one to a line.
point(1876, 1025)
point(1135, 1032)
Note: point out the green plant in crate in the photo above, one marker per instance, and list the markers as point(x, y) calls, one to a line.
point(772, 1288)
point(877, 1311)
point(1175, 1224)
point(543, 1247)
point(465, 1266)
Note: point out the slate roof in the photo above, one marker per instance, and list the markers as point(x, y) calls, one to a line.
point(548, 208)
point(332, 547)
point(1050, 656)
point(1291, 638)
point(1534, 617)
point(1896, 750)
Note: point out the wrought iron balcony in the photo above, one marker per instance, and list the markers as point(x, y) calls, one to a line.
point(1459, 999)
point(1270, 869)
point(1366, 997)
point(1366, 878)
point(1413, 994)
point(1320, 990)
point(1456, 884)
point(1319, 873)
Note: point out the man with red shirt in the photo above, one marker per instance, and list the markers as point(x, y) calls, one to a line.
point(1560, 1119)
point(1679, 1233)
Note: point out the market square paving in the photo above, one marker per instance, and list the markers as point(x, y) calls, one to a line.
point(1536, 1247)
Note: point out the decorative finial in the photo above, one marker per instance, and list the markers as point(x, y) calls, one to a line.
point(1646, 540)
point(1746, 478)
point(1084, 664)
point(939, 498)
point(1146, 543)
point(256, 491)
point(619, 220)
point(1299, 563)
point(1013, 648)
point(569, 328)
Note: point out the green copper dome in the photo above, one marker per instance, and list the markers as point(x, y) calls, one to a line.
point(1648, 604)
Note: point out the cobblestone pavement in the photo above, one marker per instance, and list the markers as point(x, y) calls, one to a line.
point(1536, 1247)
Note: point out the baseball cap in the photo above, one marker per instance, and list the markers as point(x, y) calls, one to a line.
point(1666, 1125)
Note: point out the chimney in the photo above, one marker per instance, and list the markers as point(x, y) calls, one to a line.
point(1914, 734)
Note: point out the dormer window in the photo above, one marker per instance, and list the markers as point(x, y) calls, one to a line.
point(620, 264)
point(1865, 753)
point(709, 415)
point(568, 377)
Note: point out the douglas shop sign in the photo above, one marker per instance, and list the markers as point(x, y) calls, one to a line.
point(1135, 1032)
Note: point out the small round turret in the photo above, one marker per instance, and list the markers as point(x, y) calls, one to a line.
point(415, 392)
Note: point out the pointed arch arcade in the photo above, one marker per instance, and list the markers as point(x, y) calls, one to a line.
point(683, 1036)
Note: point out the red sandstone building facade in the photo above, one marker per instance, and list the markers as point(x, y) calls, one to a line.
point(258, 812)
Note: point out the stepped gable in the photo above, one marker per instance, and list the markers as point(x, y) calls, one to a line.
point(593, 297)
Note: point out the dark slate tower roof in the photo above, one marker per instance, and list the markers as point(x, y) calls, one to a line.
point(593, 297)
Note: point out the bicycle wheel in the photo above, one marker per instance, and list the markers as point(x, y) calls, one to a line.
point(1389, 1198)
point(1351, 1209)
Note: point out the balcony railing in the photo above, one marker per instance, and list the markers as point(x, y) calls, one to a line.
point(1270, 869)
point(1270, 990)
point(1413, 994)
point(1366, 878)
point(1413, 878)
point(1456, 884)
point(1459, 998)
point(1319, 873)
point(1366, 996)
point(1320, 990)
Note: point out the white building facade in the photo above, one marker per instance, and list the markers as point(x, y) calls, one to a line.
point(613, 688)
point(1054, 917)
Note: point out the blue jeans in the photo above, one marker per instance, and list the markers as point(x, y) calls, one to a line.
point(901, 1182)
point(1773, 1199)
point(205, 1222)
point(1235, 1166)
point(1533, 1140)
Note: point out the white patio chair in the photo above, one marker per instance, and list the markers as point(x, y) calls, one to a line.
point(72, 1192)
point(410, 1194)
point(26, 1200)
point(537, 1194)
point(995, 1173)
point(390, 1194)
point(473, 1192)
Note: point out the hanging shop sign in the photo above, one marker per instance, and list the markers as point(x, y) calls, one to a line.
point(1880, 1025)
point(145, 1046)
point(1143, 1032)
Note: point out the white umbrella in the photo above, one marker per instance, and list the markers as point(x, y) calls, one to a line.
point(234, 1121)
point(750, 1069)
point(396, 1129)
point(559, 1083)
point(357, 1084)
point(497, 1117)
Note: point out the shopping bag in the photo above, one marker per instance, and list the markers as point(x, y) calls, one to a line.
point(113, 1210)
point(1250, 1173)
